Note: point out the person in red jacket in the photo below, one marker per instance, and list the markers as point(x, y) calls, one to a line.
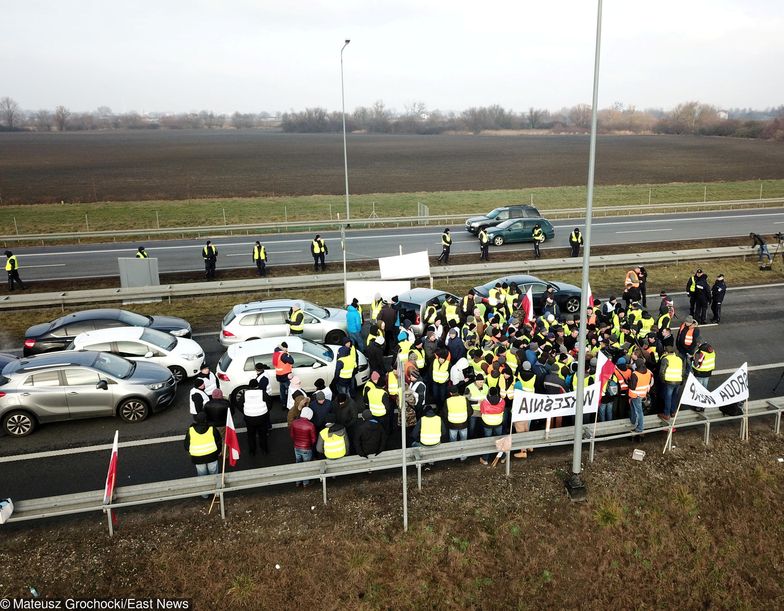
point(303, 434)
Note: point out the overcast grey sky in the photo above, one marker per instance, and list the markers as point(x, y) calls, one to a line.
point(252, 55)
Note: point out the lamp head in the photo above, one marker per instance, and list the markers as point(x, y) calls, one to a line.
point(348, 40)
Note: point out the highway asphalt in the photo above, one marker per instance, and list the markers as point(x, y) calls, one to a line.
point(100, 260)
point(72, 457)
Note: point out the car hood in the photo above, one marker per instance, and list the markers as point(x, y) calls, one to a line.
point(149, 373)
point(169, 323)
point(186, 346)
point(37, 330)
point(564, 286)
point(476, 219)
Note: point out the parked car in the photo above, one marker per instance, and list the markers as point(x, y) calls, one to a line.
point(59, 333)
point(71, 385)
point(262, 319)
point(312, 360)
point(519, 230)
point(522, 211)
point(567, 296)
point(413, 304)
point(180, 355)
point(6, 358)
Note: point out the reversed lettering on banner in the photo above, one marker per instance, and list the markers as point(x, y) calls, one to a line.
point(734, 390)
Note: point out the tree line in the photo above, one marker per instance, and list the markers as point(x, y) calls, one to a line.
point(686, 118)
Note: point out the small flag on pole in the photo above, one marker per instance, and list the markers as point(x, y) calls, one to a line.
point(590, 296)
point(528, 307)
point(232, 443)
point(111, 475)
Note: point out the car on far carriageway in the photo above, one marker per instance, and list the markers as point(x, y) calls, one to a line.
point(261, 319)
point(312, 360)
point(72, 385)
point(518, 211)
point(519, 230)
point(59, 333)
point(567, 296)
point(180, 355)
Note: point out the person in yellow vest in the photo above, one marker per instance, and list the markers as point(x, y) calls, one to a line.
point(439, 377)
point(375, 306)
point(203, 443)
point(537, 235)
point(476, 392)
point(344, 371)
point(260, 258)
point(318, 249)
point(492, 409)
point(575, 241)
point(704, 363)
point(458, 414)
point(378, 402)
point(141, 253)
point(671, 373)
point(296, 319)
point(332, 442)
point(484, 244)
point(429, 430)
point(210, 255)
point(446, 246)
point(12, 267)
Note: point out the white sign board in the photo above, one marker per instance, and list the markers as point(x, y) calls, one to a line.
point(415, 265)
point(365, 290)
point(734, 390)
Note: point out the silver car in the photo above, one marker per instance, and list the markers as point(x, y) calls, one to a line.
point(412, 305)
point(71, 385)
point(262, 319)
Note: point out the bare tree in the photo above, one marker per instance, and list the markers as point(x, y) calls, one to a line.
point(580, 116)
point(61, 114)
point(534, 117)
point(9, 111)
point(43, 121)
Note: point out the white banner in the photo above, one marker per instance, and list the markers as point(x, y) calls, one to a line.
point(365, 290)
point(415, 265)
point(734, 390)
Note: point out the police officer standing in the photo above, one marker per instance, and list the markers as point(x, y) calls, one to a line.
point(12, 267)
point(538, 236)
point(141, 253)
point(702, 297)
point(484, 244)
point(210, 255)
point(718, 291)
point(319, 250)
point(446, 245)
point(575, 241)
point(260, 258)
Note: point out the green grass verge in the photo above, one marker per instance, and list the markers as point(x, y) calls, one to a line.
point(51, 218)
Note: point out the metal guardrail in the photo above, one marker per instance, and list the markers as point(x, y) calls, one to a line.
point(303, 225)
point(322, 470)
point(113, 295)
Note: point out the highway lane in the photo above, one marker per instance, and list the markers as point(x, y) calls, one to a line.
point(747, 333)
point(100, 260)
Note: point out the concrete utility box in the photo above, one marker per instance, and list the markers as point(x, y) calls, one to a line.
point(137, 273)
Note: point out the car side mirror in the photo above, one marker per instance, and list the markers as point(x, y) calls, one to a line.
point(316, 365)
point(102, 385)
point(148, 355)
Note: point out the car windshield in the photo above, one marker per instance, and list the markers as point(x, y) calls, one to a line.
point(134, 320)
point(114, 365)
point(315, 310)
point(493, 213)
point(4, 380)
point(159, 339)
point(505, 224)
point(225, 362)
point(317, 350)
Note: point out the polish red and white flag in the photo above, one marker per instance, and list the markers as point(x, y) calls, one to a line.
point(232, 443)
point(528, 307)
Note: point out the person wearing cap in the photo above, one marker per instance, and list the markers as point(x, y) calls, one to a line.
point(691, 289)
point(210, 379)
point(318, 249)
point(203, 443)
point(484, 244)
point(640, 384)
point(370, 438)
point(458, 414)
point(255, 409)
point(476, 392)
point(538, 237)
point(429, 429)
point(259, 258)
point(671, 374)
point(718, 291)
point(12, 268)
point(296, 319)
point(354, 322)
point(439, 377)
point(141, 253)
point(575, 241)
point(322, 409)
point(333, 442)
point(702, 297)
point(377, 400)
point(283, 363)
point(197, 397)
point(631, 286)
point(344, 370)
point(704, 363)
point(446, 245)
point(757, 240)
point(550, 307)
point(210, 255)
point(643, 276)
point(217, 408)
point(688, 337)
point(492, 409)
point(374, 353)
point(303, 435)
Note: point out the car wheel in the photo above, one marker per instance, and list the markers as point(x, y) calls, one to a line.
point(498, 240)
point(178, 373)
point(18, 424)
point(133, 410)
point(238, 396)
point(573, 305)
point(335, 337)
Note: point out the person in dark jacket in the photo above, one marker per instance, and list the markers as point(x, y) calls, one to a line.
point(718, 291)
point(374, 353)
point(370, 438)
point(702, 297)
point(217, 408)
point(389, 316)
point(322, 410)
point(203, 442)
point(455, 345)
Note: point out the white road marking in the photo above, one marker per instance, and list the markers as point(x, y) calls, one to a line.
point(642, 230)
point(44, 265)
point(271, 252)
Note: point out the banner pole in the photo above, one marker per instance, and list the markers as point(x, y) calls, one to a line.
point(223, 477)
point(668, 443)
point(109, 517)
point(595, 424)
point(745, 427)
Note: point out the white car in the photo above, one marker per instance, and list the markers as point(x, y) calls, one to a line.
point(181, 355)
point(312, 360)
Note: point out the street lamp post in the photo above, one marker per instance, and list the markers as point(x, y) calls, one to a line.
point(343, 102)
point(575, 485)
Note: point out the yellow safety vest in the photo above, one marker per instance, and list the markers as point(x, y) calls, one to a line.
point(528, 385)
point(430, 430)
point(142, 255)
point(8, 266)
point(708, 362)
point(476, 395)
point(349, 364)
point(646, 324)
point(405, 349)
point(376, 401)
point(431, 312)
point(537, 235)
point(575, 237)
point(334, 445)
point(494, 296)
point(205, 253)
point(317, 246)
point(493, 419)
point(259, 252)
point(202, 444)
point(440, 371)
point(663, 322)
point(392, 384)
point(674, 372)
point(484, 238)
point(451, 312)
point(446, 239)
point(477, 366)
point(297, 326)
point(457, 409)
point(375, 308)
point(692, 284)
point(420, 358)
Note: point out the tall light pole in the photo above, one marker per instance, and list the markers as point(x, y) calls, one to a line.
point(343, 102)
point(575, 485)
